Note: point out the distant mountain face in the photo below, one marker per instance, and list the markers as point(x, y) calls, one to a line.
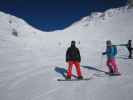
point(111, 21)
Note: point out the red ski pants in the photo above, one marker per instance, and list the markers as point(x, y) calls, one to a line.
point(111, 63)
point(77, 65)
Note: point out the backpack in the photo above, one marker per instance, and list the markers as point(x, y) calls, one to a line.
point(114, 50)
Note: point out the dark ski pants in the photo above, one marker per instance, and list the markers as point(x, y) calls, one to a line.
point(77, 65)
point(111, 63)
point(130, 53)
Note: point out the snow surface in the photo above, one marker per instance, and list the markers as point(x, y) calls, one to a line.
point(31, 62)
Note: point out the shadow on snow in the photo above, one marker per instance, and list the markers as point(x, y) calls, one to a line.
point(62, 71)
point(93, 68)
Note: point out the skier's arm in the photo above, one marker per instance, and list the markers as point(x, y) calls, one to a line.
point(67, 55)
point(79, 55)
point(104, 53)
point(122, 45)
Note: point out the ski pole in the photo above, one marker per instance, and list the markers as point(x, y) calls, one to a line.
point(101, 62)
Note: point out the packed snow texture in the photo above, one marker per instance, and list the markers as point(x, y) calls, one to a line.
point(31, 61)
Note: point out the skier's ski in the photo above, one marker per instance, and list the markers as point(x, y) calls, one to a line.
point(75, 79)
point(106, 73)
point(113, 74)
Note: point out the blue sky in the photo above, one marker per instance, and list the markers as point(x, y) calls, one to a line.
point(49, 15)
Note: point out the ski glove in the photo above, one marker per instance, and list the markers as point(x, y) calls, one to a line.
point(103, 53)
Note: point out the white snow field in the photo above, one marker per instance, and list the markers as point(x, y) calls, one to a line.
point(32, 61)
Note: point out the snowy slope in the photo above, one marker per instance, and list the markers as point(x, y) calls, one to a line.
point(31, 62)
point(10, 23)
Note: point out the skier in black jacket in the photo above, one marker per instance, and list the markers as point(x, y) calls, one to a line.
point(73, 57)
point(129, 47)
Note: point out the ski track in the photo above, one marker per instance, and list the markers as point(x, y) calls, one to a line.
point(45, 94)
point(25, 77)
point(24, 73)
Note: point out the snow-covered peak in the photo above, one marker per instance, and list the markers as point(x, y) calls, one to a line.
point(96, 17)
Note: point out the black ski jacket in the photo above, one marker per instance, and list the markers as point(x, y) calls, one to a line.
point(73, 54)
point(129, 46)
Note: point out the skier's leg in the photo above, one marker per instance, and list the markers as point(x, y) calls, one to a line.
point(114, 65)
point(69, 70)
point(77, 65)
point(109, 66)
point(130, 53)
